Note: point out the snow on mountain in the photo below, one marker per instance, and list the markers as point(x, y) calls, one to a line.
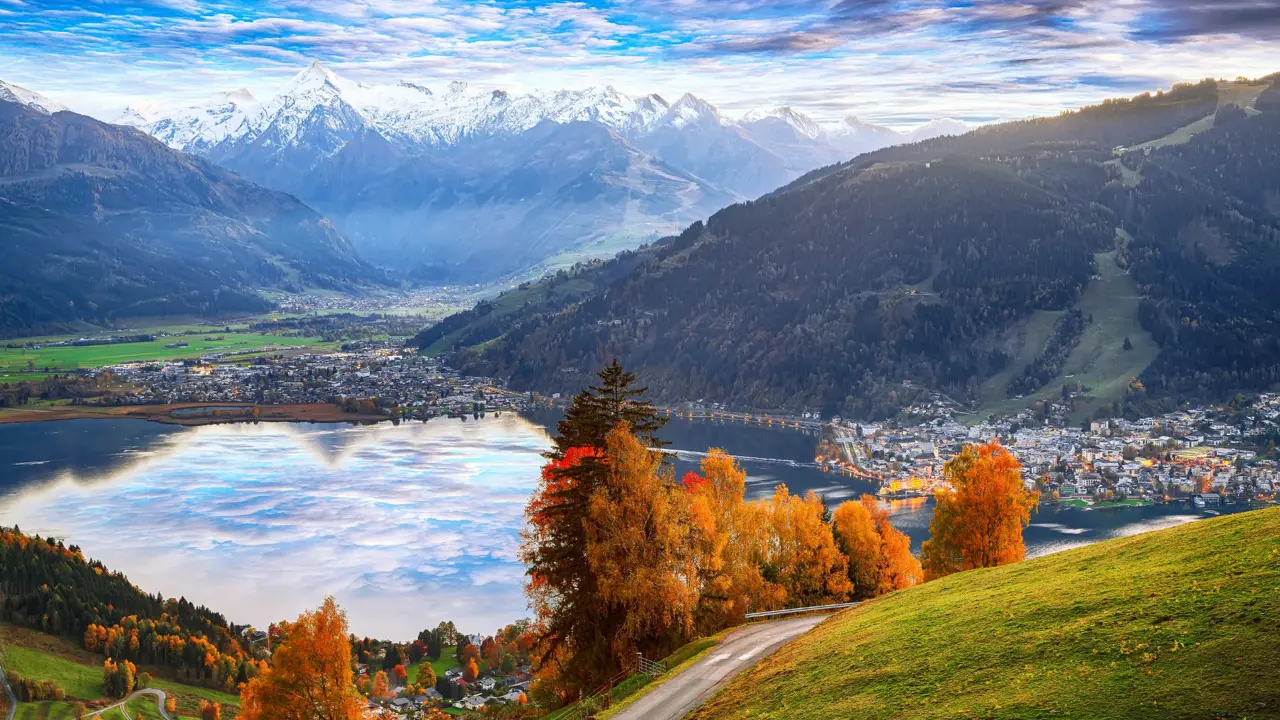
point(415, 115)
point(23, 96)
point(197, 127)
point(938, 128)
point(798, 121)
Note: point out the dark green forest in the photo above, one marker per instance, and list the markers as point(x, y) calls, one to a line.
point(859, 286)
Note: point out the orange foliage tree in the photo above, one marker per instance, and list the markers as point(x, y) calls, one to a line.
point(978, 520)
point(638, 547)
point(801, 551)
point(311, 676)
point(471, 670)
point(210, 710)
point(855, 533)
point(381, 686)
point(729, 543)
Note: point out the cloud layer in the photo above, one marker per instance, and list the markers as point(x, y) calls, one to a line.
point(898, 62)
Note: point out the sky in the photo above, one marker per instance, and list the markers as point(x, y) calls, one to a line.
point(896, 62)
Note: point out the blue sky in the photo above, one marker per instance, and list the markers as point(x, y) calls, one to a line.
point(900, 62)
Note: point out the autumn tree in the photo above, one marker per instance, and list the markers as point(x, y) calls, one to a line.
point(897, 568)
point(400, 674)
point(978, 520)
point(729, 542)
point(855, 533)
point(575, 624)
point(171, 705)
point(210, 710)
point(638, 547)
point(802, 553)
point(426, 675)
point(381, 686)
point(471, 670)
point(311, 676)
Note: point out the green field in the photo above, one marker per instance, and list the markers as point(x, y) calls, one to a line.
point(15, 363)
point(439, 666)
point(76, 672)
point(1179, 623)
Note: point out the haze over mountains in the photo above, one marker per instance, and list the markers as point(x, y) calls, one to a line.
point(102, 222)
point(1120, 255)
point(455, 183)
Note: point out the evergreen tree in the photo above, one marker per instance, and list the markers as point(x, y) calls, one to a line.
point(579, 626)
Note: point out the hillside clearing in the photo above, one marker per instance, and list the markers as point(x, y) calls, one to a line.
point(1179, 623)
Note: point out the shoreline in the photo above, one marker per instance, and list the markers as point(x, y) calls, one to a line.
point(191, 414)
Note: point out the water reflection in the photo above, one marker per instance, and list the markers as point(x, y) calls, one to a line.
point(406, 525)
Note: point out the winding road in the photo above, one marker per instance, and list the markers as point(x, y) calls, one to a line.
point(740, 650)
point(157, 694)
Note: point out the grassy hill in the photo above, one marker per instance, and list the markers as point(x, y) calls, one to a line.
point(1181, 623)
point(38, 656)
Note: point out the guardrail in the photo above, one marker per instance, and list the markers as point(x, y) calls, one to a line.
point(797, 611)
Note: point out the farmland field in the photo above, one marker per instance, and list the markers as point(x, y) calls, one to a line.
point(27, 364)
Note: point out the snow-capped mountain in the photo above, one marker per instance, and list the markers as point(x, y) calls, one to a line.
point(937, 128)
point(420, 174)
point(196, 128)
point(34, 100)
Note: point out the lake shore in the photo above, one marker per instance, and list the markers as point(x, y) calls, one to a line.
point(189, 414)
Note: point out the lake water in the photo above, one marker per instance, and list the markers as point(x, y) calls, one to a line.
point(406, 525)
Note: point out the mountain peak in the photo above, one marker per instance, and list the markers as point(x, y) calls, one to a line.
point(34, 100)
point(802, 123)
point(313, 76)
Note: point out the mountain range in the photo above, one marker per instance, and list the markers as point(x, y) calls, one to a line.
point(103, 223)
point(470, 185)
point(1118, 257)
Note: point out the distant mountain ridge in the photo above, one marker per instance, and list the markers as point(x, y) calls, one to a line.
point(459, 149)
point(103, 223)
point(1117, 258)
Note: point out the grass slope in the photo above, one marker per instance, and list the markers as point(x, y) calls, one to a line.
point(1180, 623)
point(1099, 361)
point(44, 657)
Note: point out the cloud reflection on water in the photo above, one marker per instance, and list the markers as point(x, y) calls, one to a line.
point(406, 525)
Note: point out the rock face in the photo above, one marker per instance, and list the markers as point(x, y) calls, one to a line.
point(102, 222)
point(473, 185)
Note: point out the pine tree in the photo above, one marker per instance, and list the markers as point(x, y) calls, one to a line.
point(577, 625)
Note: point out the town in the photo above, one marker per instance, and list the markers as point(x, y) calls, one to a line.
point(376, 378)
point(1206, 456)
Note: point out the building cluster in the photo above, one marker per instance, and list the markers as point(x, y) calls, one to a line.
point(373, 378)
point(1205, 455)
point(433, 297)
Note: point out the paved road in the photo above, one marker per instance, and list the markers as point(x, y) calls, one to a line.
point(678, 696)
point(157, 694)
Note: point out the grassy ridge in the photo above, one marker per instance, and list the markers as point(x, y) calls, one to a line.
point(1181, 623)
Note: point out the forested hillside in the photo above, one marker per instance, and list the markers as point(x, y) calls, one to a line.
point(922, 266)
point(102, 222)
point(53, 588)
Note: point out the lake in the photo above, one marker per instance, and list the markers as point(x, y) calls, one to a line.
point(406, 525)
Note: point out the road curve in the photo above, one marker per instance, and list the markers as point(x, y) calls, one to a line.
point(157, 694)
point(740, 650)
